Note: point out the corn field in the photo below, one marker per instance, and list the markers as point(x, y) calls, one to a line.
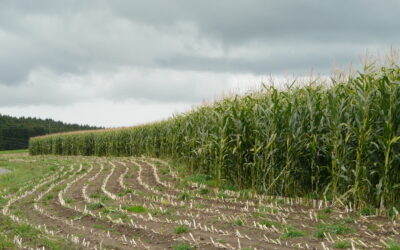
point(338, 141)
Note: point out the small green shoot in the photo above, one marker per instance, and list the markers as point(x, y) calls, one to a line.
point(135, 209)
point(94, 206)
point(182, 246)
point(292, 232)
point(393, 245)
point(181, 229)
point(184, 196)
point(343, 244)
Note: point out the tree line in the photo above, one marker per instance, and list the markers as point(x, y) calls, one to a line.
point(15, 132)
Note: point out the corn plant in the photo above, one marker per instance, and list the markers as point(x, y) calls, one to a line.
point(337, 140)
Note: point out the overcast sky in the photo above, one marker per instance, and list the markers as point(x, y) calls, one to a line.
point(119, 63)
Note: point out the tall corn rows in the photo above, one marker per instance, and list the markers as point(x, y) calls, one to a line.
point(338, 141)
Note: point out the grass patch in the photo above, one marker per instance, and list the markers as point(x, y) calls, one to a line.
point(53, 168)
point(94, 196)
point(222, 195)
point(201, 179)
point(108, 210)
point(343, 244)
point(372, 227)
point(26, 231)
point(29, 234)
point(268, 223)
point(59, 188)
point(104, 199)
point(184, 196)
point(98, 226)
point(182, 246)
point(393, 245)
point(339, 229)
point(18, 151)
point(135, 209)
point(69, 200)
point(292, 232)
point(23, 171)
point(204, 191)
point(366, 211)
point(348, 220)
point(3, 201)
point(181, 229)
point(49, 197)
point(94, 206)
point(164, 171)
point(128, 191)
point(319, 234)
point(238, 222)
point(323, 214)
point(5, 243)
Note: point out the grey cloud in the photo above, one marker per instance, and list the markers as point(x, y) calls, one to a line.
point(282, 61)
point(80, 42)
point(44, 87)
point(244, 20)
point(242, 66)
point(82, 38)
point(166, 86)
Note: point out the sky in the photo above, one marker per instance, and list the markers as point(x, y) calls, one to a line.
point(123, 62)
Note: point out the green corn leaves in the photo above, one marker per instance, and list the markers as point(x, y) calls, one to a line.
point(338, 141)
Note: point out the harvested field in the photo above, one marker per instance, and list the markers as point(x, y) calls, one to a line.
point(142, 203)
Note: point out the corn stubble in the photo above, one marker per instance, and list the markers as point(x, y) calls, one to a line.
point(339, 141)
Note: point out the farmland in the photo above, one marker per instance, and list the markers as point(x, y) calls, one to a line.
point(86, 202)
point(337, 141)
point(312, 166)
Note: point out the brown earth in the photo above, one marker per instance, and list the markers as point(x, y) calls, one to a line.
point(139, 203)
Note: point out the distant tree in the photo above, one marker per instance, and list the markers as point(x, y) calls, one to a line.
point(15, 132)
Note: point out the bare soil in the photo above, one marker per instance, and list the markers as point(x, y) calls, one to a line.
point(139, 203)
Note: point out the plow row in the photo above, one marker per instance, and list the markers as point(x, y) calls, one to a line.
point(142, 203)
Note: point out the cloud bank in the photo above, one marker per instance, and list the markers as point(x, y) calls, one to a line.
point(58, 54)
